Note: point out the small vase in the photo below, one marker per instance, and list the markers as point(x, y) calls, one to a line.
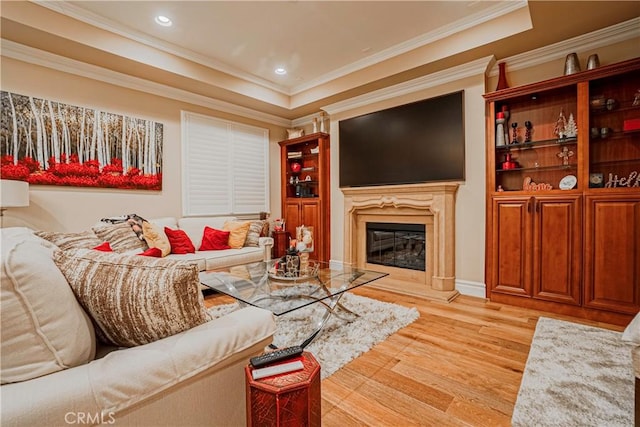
point(571, 64)
point(502, 77)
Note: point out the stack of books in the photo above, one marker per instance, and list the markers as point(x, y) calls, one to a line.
point(294, 154)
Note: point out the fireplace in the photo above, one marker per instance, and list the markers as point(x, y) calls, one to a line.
point(431, 206)
point(396, 245)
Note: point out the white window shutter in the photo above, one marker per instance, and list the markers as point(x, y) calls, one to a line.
point(225, 167)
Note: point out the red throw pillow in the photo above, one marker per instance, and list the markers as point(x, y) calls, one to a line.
point(104, 247)
point(214, 240)
point(154, 252)
point(179, 241)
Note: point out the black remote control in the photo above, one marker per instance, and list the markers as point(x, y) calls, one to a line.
point(276, 356)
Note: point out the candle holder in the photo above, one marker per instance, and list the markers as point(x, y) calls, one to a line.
point(527, 135)
point(514, 132)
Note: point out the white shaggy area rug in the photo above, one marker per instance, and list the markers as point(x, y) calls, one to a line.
point(576, 375)
point(341, 341)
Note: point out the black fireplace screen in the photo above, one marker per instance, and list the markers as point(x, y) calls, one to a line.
point(396, 245)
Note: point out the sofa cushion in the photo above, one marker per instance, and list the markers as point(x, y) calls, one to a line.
point(156, 238)
point(120, 236)
point(154, 252)
point(238, 234)
point(256, 230)
point(632, 331)
point(180, 242)
point(132, 299)
point(214, 240)
point(81, 240)
point(44, 329)
point(105, 247)
point(194, 226)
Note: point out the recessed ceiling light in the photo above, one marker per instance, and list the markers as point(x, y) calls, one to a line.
point(280, 71)
point(163, 20)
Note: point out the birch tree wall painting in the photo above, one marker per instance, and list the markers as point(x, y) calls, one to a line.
point(51, 143)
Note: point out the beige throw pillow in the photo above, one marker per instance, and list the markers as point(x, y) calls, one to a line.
point(44, 329)
point(238, 234)
point(81, 240)
point(121, 237)
point(132, 299)
point(156, 238)
point(255, 232)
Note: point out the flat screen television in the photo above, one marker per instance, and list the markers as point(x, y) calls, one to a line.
point(413, 143)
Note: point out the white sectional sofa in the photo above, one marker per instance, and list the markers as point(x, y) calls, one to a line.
point(207, 260)
point(55, 372)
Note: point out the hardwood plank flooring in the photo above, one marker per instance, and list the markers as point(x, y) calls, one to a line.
point(459, 364)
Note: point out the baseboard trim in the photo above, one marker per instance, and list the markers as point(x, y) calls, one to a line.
point(473, 289)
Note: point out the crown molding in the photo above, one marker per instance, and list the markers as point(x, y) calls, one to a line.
point(474, 68)
point(56, 62)
point(585, 42)
point(471, 21)
point(69, 9)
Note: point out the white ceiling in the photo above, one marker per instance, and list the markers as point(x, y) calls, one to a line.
point(316, 41)
point(223, 53)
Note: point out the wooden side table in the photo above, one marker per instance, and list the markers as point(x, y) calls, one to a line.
point(280, 243)
point(292, 399)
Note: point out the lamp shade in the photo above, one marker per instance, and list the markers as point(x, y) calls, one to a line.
point(14, 194)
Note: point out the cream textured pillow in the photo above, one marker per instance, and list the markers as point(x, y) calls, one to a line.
point(82, 240)
point(255, 232)
point(238, 234)
point(120, 236)
point(156, 238)
point(44, 329)
point(134, 299)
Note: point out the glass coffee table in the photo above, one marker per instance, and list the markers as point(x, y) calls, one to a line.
point(271, 286)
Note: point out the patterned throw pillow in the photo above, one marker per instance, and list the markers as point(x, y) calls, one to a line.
point(120, 236)
point(256, 230)
point(238, 234)
point(180, 242)
point(214, 240)
point(134, 300)
point(81, 240)
point(155, 238)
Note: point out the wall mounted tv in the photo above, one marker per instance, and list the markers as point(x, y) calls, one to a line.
point(412, 143)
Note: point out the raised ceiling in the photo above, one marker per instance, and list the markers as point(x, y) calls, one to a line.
point(332, 50)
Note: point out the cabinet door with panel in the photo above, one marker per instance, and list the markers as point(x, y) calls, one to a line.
point(612, 241)
point(304, 212)
point(538, 246)
point(511, 251)
point(557, 248)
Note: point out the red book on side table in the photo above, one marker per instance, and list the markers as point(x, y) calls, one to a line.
point(291, 399)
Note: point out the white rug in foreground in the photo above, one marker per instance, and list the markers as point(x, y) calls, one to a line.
point(340, 341)
point(576, 375)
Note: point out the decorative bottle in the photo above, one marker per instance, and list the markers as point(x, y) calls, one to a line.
point(500, 120)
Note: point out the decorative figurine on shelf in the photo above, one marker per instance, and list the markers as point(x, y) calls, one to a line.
point(296, 167)
point(315, 125)
point(561, 125)
point(529, 127)
point(500, 121)
point(636, 99)
point(564, 155)
point(322, 116)
point(571, 130)
point(514, 132)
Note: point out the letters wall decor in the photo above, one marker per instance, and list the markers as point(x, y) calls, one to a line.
point(50, 143)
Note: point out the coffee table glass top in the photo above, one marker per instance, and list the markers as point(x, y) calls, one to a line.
point(270, 286)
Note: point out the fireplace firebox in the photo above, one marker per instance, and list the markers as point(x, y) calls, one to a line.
point(396, 245)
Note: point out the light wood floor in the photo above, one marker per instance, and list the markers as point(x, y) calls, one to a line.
point(459, 364)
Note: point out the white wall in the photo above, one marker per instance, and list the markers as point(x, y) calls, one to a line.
point(74, 209)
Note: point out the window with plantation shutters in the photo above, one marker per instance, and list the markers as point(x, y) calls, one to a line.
point(225, 167)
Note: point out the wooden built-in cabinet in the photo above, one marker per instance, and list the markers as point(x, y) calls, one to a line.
point(563, 211)
point(305, 189)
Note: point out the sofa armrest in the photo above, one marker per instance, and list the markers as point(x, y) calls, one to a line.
point(267, 244)
point(130, 377)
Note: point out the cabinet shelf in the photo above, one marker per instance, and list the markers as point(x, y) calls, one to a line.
point(537, 144)
point(540, 168)
point(618, 108)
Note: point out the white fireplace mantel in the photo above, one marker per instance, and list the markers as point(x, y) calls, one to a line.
point(430, 204)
